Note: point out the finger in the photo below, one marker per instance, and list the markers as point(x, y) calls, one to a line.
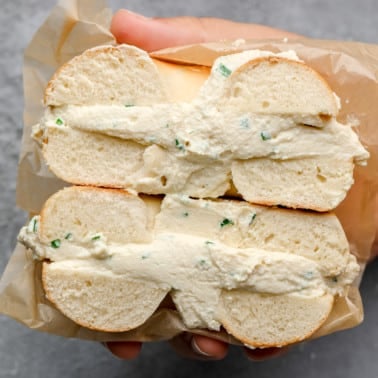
point(156, 33)
point(265, 354)
point(214, 348)
point(375, 244)
point(124, 350)
point(199, 347)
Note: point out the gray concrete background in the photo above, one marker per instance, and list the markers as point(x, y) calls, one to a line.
point(24, 353)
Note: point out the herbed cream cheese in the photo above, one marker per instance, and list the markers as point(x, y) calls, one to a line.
point(205, 131)
point(196, 147)
point(194, 268)
point(206, 135)
point(186, 148)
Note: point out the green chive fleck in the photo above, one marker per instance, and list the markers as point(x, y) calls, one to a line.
point(68, 236)
point(244, 123)
point(309, 275)
point(226, 222)
point(129, 105)
point(151, 139)
point(208, 242)
point(56, 243)
point(145, 255)
point(96, 237)
point(179, 145)
point(35, 225)
point(253, 217)
point(223, 70)
point(202, 264)
point(265, 135)
point(186, 214)
point(59, 121)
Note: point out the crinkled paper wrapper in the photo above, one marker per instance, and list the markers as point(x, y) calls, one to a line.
point(76, 25)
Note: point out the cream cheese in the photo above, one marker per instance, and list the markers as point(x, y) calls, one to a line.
point(207, 135)
point(190, 149)
point(194, 268)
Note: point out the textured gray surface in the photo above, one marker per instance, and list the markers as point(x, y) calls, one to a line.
point(24, 353)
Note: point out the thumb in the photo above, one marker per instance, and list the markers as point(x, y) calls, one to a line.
point(156, 33)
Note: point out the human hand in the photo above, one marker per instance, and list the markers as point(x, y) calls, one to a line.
point(152, 34)
point(195, 347)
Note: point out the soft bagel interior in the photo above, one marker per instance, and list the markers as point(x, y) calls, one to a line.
point(203, 133)
point(82, 234)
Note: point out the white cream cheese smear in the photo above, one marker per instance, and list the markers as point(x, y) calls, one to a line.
point(195, 268)
point(186, 148)
point(197, 147)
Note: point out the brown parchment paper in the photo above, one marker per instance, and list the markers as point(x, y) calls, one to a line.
point(75, 25)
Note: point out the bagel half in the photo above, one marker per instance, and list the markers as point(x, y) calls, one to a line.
point(269, 276)
point(117, 118)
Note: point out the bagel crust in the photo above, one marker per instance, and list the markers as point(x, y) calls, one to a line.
point(257, 120)
point(267, 275)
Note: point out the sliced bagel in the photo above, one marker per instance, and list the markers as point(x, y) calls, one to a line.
point(98, 299)
point(261, 320)
point(271, 84)
point(106, 75)
point(111, 257)
point(314, 183)
point(255, 110)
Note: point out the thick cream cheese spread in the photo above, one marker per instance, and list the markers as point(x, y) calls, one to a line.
point(196, 147)
point(195, 266)
point(195, 150)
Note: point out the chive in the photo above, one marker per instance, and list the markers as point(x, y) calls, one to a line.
point(145, 256)
point(151, 139)
point(223, 70)
point(186, 214)
point(129, 105)
point(56, 243)
point(244, 123)
point(309, 275)
point(59, 121)
point(265, 135)
point(253, 217)
point(35, 225)
point(68, 236)
point(96, 237)
point(202, 264)
point(179, 145)
point(208, 242)
point(226, 222)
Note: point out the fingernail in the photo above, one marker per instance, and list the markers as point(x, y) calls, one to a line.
point(197, 349)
